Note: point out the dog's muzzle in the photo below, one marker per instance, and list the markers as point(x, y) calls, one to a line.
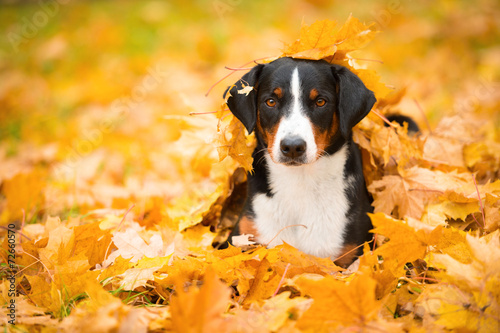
point(292, 151)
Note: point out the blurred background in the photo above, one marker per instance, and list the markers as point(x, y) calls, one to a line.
point(95, 96)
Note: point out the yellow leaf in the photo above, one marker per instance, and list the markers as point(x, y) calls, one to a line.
point(453, 242)
point(492, 212)
point(455, 309)
point(444, 210)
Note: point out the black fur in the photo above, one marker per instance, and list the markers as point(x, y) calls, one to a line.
point(400, 119)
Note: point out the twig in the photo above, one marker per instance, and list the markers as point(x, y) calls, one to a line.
point(288, 226)
point(123, 219)
point(424, 115)
point(357, 247)
point(201, 113)
point(117, 229)
point(41, 262)
point(19, 232)
point(22, 225)
point(282, 279)
point(362, 59)
point(228, 75)
point(384, 118)
point(238, 68)
point(374, 242)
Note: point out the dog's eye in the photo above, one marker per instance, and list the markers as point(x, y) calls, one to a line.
point(271, 102)
point(320, 102)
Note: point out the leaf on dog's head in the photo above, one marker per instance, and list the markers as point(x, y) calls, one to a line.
point(324, 40)
point(316, 41)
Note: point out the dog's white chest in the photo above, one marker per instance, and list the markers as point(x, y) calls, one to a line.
point(308, 208)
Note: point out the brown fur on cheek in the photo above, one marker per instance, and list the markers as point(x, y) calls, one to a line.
point(268, 135)
point(323, 138)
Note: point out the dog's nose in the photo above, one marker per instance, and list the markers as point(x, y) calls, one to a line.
point(293, 147)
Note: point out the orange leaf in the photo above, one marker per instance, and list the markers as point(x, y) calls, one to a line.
point(316, 41)
point(405, 245)
point(323, 39)
point(337, 303)
point(200, 310)
point(232, 141)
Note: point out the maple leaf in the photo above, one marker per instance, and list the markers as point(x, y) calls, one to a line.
point(411, 190)
point(405, 245)
point(272, 315)
point(448, 306)
point(24, 193)
point(322, 39)
point(200, 310)
point(131, 246)
point(337, 303)
point(265, 282)
point(316, 41)
point(232, 141)
point(101, 312)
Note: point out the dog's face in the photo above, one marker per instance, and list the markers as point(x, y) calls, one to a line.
point(300, 108)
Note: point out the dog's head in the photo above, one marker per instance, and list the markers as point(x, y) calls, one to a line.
point(300, 108)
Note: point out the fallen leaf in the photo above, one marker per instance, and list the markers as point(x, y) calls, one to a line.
point(200, 310)
point(338, 304)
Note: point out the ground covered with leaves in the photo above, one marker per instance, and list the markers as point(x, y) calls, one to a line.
point(119, 177)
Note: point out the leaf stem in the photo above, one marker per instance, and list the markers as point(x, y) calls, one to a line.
point(480, 201)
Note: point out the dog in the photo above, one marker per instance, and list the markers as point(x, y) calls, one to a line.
point(307, 186)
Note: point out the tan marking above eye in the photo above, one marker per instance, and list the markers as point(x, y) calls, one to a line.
point(271, 102)
point(320, 102)
point(278, 92)
point(313, 94)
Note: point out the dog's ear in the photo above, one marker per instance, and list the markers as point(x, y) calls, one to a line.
point(243, 104)
point(354, 100)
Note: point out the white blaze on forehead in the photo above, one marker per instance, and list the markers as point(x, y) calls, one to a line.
point(296, 123)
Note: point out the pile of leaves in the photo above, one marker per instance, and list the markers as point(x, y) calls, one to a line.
point(133, 262)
